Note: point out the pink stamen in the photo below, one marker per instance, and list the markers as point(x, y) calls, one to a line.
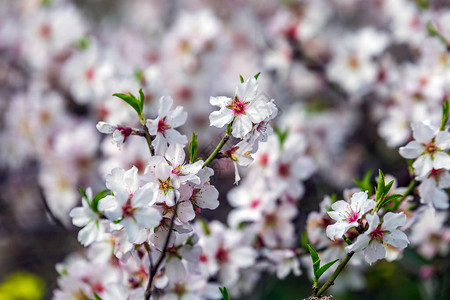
point(222, 255)
point(377, 234)
point(237, 106)
point(284, 170)
point(352, 216)
point(127, 210)
point(162, 126)
point(255, 203)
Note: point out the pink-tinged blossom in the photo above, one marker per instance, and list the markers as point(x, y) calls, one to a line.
point(93, 229)
point(160, 173)
point(119, 133)
point(375, 241)
point(286, 261)
point(348, 215)
point(431, 189)
point(429, 148)
point(181, 171)
point(244, 110)
point(240, 155)
point(163, 127)
point(130, 205)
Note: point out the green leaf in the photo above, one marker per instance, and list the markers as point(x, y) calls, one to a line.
point(387, 188)
point(257, 75)
point(193, 148)
point(83, 194)
point(225, 294)
point(445, 114)
point(365, 184)
point(97, 198)
point(380, 187)
point(324, 268)
point(97, 297)
point(242, 78)
point(315, 259)
point(131, 100)
point(304, 240)
point(435, 33)
point(83, 43)
point(282, 135)
point(141, 99)
point(346, 239)
point(423, 4)
point(389, 199)
point(313, 253)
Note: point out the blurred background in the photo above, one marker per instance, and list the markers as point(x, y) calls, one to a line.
point(349, 74)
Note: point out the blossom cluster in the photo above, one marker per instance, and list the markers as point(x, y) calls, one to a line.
point(344, 74)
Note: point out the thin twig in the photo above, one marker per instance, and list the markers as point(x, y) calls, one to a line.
point(148, 137)
point(340, 267)
point(219, 147)
point(154, 268)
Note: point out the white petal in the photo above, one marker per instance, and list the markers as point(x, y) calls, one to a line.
point(393, 220)
point(131, 228)
point(241, 126)
point(175, 269)
point(185, 211)
point(174, 137)
point(208, 197)
point(104, 127)
point(423, 133)
point(374, 252)
point(247, 90)
point(441, 161)
point(412, 150)
point(397, 239)
point(220, 101)
point(221, 118)
point(443, 140)
point(165, 103)
point(362, 241)
point(148, 217)
point(175, 154)
point(177, 117)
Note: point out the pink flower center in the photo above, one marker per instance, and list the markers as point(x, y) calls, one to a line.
point(431, 148)
point(177, 171)
point(203, 258)
point(222, 255)
point(377, 234)
point(89, 74)
point(162, 126)
point(436, 174)
point(127, 210)
point(264, 159)
point(352, 216)
point(237, 106)
point(45, 31)
point(284, 170)
point(255, 203)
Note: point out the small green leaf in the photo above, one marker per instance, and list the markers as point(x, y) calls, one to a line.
point(445, 114)
point(365, 184)
point(346, 239)
point(389, 199)
point(257, 75)
point(97, 297)
point(387, 187)
point(131, 100)
point(83, 43)
point(304, 240)
point(242, 78)
point(83, 194)
point(315, 259)
point(193, 148)
point(324, 268)
point(282, 135)
point(380, 187)
point(313, 253)
point(225, 294)
point(141, 99)
point(97, 198)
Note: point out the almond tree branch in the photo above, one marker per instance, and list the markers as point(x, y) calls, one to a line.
point(154, 268)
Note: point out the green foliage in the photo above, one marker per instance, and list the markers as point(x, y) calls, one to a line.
point(432, 30)
point(382, 191)
point(242, 78)
point(136, 103)
point(445, 114)
point(84, 43)
point(22, 285)
point(365, 184)
point(257, 75)
point(193, 148)
point(423, 4)
point(282, 135)
point(318, 270)
point(225, 294)
point(94, 203)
